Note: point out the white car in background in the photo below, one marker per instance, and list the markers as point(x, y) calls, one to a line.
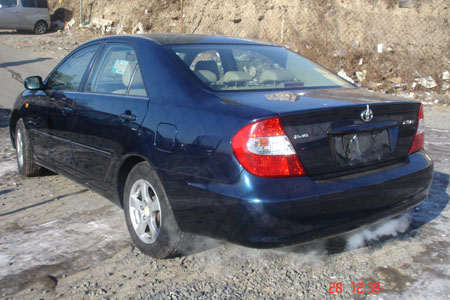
point(25, 15)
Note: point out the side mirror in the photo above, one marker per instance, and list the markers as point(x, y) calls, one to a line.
point(33, 83)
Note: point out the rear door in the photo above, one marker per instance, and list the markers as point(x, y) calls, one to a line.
point(109, 113)
point(9, 14)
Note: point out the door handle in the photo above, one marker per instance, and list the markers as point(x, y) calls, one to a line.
point(127, 116)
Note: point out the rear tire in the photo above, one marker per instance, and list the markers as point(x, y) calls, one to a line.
point(40, 27)
point(24, 153)
point(148, 214)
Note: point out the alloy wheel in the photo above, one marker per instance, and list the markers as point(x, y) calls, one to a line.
point(145, 211)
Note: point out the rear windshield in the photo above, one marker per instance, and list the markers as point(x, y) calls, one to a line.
point(253, 67)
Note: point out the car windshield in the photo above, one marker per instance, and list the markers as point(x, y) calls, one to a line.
point(253, 67)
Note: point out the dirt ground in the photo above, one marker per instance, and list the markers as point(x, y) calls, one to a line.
point(59, 240)
point(341, 35)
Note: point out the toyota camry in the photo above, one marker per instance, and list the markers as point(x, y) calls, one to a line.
point(233, 139)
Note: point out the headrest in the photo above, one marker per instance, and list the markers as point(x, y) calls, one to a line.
point(271, 75)
point(233, 76)
point(209, 65)
point(126, 76)
point(206, 76)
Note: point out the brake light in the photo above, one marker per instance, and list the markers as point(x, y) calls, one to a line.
point(264, 150)
point(419, 137)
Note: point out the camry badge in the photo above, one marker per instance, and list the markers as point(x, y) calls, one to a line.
point(367, 115)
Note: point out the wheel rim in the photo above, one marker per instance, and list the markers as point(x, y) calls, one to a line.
point(19, 148)
point(145, 211)
point(41, 28)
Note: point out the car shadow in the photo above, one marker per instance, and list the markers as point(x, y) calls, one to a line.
point(432, 207)
point(16, 32)
point(23, 62)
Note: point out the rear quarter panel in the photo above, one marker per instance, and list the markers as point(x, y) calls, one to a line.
point(204, 124)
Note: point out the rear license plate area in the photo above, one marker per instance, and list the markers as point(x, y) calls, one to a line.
point(359, 148)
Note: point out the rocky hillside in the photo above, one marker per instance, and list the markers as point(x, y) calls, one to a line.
point(381, 44)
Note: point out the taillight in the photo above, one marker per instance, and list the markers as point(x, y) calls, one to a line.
point(263, 149)
point(419, 137)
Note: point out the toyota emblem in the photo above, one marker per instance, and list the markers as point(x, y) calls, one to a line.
point(367, 115)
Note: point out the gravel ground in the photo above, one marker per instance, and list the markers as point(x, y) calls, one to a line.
point(60, 241)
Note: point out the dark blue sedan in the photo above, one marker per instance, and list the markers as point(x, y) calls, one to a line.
point(229, 138)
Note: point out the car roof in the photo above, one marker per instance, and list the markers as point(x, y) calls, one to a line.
point(180, 39)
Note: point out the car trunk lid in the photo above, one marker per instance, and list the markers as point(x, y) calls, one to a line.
point(342, 140)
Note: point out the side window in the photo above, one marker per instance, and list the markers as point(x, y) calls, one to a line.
point(137, 87)
point(28, 3)
point(8, 3)
point(42, 3)
point(69, 75)
point(114, 70)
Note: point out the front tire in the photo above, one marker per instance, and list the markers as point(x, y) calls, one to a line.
point(40, 27)
point(24, 153)
point(149, 216)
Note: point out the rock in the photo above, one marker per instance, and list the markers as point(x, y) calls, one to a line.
point(344, 75)
point(340, 53)
point(374, 85)
point(445, 76)
point(445, 86)
point(361, 76)
point(426, 82)
point(101, 23)
point(138, 29)
point(396, 80)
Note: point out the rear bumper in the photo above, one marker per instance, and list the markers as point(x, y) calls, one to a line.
point(262, 213)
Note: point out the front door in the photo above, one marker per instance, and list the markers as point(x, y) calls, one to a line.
point(109, 113)
point(51, 140)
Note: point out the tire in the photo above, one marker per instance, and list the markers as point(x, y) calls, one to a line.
point(24, 154)
point(40, 27)
point(148, 214)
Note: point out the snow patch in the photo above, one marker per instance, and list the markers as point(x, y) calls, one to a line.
point(7, 167)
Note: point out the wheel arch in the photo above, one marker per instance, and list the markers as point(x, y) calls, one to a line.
point(126, 165)
point(15, 116)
